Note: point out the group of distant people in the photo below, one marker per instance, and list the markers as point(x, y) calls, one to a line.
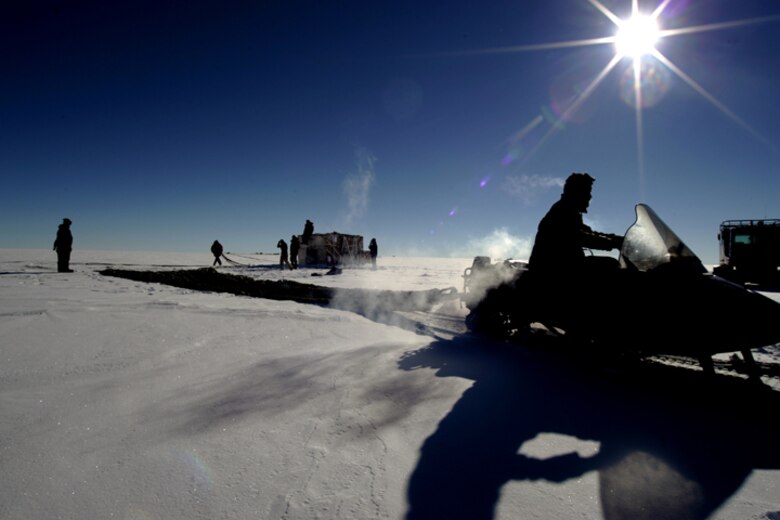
point(290, 261)
point(63, 245)
point(288, 255)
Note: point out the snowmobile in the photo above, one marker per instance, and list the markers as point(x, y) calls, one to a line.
point(658, 300)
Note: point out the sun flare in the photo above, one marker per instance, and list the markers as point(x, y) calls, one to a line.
point(637, 36)
point(644, 69)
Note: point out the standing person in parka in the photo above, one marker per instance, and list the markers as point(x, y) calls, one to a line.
point(374, 250)
point(308, 231)
point(283, 255)
point(63, 244)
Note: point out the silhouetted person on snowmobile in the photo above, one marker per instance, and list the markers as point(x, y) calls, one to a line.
point(562, 235)
point(561, 275)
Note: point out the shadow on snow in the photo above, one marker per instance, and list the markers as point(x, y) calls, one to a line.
point(672, 443)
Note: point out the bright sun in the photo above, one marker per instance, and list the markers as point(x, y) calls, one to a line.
point(635, 39)
point(636, 36)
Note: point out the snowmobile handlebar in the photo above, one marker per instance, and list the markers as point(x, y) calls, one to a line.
point(604, 241)
point(615, 240)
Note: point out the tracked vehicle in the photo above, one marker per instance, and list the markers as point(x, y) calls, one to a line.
point(750, 251)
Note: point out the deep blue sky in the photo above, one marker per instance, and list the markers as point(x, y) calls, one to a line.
point(165, 125)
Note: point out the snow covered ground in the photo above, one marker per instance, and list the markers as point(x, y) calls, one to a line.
point(120, 399)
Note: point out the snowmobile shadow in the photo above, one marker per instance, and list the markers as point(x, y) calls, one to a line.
point(672, 444)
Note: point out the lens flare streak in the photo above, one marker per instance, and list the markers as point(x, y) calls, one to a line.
point(579, 100)
point(719, 26)
point(640, 147)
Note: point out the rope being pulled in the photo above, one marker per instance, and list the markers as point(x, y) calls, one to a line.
point(240, 256)
point(234, 262)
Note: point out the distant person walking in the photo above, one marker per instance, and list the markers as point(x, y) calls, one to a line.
point(283, 256)
point(308, 231)
point(374, 250)
point(295, 246)
point(217, 250)
point(63, 244)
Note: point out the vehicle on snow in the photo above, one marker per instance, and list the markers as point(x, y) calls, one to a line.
point(750, 251)
point(483, 275)
point(660, 301)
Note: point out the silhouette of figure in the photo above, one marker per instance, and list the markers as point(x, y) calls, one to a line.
point(216, 250)
point(294, 247)
point(283, 256)
point(308, 231)
point(63, 244)
point(374, 250)
point(561, 236)
point(558, 266)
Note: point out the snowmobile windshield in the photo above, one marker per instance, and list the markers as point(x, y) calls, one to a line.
point(649, 243)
